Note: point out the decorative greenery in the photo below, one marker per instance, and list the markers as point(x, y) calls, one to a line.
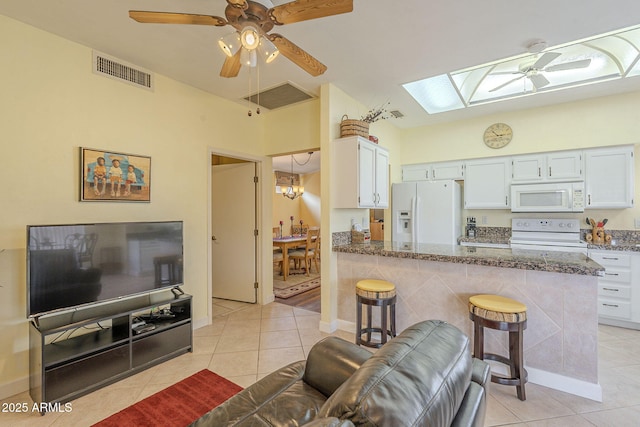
point(378, 113)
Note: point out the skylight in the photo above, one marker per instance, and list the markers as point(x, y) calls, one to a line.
point(597, 59)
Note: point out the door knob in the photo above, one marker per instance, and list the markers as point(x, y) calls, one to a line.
point(214, 238)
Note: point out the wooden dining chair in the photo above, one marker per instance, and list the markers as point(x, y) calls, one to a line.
point(309, 253)
point(277, 252)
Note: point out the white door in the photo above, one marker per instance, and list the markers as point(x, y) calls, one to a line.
point(233, 223)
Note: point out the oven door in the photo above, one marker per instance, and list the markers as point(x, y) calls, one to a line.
point(552, 197)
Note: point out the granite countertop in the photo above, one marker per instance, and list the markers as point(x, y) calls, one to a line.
point(618, 246)
point(558, 262)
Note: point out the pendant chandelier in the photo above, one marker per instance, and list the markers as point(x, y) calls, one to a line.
point(293, 191)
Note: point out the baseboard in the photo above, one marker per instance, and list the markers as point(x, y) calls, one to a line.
point(346, 326)
point(329, 327)
point(199, 323)
point(557, 382)
point(14, 387)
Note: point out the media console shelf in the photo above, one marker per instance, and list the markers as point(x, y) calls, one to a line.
point(76, 352)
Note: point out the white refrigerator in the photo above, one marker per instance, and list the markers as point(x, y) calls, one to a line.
point(426, 212)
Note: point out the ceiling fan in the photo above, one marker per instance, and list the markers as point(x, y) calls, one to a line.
point(534, 70)
point(253, 21)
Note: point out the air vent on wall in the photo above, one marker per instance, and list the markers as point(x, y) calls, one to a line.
point(279, 96)
point(117, 69)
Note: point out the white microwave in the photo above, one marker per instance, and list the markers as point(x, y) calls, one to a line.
point(548, 197)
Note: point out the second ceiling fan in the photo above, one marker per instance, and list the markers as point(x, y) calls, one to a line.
point(253, 21)
point(534, 70)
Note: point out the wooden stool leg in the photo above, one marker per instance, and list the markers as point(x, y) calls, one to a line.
point(358, 321)
point(383, 328)
point(516, 356)
point(478, 340)
point(369, 323)
point(393, 319)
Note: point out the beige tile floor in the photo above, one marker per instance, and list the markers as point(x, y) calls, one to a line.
point(246, 342)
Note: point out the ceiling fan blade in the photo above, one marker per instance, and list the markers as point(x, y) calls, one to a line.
point(231, 66)
point(539, 81)
point(303, 10)
point(176, 18)
point(298, 56)
point(503, 73)
point(546, 58)
point(506, 84)
point(583, 63)
point(240, 4)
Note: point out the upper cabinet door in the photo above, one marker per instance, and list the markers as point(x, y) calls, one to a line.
point(530, 168)
point(610, 178)
point(447, 170)
point(565, 166)
point(367, 179)
point(382, 178)
point(419, 172)
point(486, 185)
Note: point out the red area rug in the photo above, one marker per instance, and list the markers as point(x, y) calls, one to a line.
point(178, 405)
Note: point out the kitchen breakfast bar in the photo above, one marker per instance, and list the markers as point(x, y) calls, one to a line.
point(436, 281)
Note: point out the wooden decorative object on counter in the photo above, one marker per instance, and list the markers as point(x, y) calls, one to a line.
point(363, 236)
point(597, 235)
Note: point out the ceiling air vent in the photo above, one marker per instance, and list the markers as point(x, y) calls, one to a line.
point(279, 96)
point(116, 69)
point(396, 114)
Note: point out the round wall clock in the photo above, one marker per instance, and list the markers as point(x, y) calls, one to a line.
point(498, 135)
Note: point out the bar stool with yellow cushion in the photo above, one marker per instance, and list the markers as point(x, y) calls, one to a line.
point(504, 314)
point(372, 292)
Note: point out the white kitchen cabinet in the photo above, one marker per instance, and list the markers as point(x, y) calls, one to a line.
point(618, 288)
point(433, 171)
point(554, 166)
point(418, 172)
point(609, 178)
point(564, 166)
point(361, 174)
point(447, 170)
point(528, 168)
point(486, 184)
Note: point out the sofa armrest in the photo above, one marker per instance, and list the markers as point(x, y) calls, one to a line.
point(481, 372)
point(331, 362)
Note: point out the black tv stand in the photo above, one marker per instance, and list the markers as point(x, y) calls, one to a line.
point(73, 353)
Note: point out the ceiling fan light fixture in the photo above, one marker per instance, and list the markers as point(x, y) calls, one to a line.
point(250, 37)
point(249, 58)
point(230, 43)
point(268, 50)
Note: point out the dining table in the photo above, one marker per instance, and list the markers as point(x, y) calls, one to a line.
point(285, 243)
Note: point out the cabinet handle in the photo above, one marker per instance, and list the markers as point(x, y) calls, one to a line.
point(611, 258)
point(610, 305)
point(506, 200)
point(589, 202)
point(611, 274)
point(611, 289)
point(539, 172)
point(434, 174)
point(427, 174)
point(550, 171)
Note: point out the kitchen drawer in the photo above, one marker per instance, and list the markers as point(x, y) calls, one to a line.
point(609, 289)
point(617, 275)
point(613, 259)
point(613, 308)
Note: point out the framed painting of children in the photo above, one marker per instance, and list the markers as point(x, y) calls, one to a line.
point(114, 177)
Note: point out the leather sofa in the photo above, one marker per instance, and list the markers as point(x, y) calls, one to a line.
point(425, 376)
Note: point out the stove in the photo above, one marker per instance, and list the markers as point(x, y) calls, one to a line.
point(547, 235)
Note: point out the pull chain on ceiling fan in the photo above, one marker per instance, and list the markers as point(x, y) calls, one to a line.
point(253, 21)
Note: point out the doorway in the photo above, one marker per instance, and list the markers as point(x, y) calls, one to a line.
point(234, 246)
point(293, 215)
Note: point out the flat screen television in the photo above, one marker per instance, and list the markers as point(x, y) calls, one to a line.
point(77, 264)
